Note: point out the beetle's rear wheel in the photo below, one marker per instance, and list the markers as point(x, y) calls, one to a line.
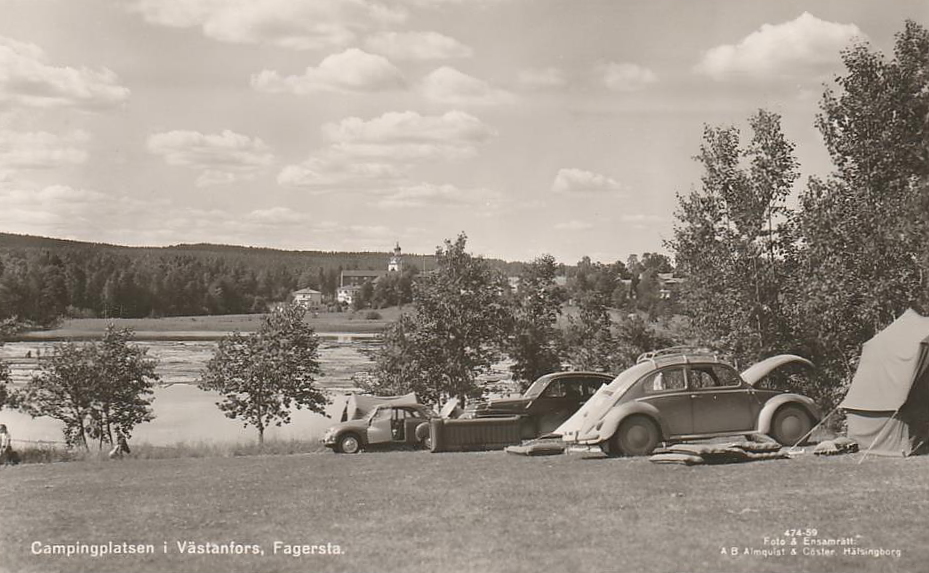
point(790, 425)
point(637, 436)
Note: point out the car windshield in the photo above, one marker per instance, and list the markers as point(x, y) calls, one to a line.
point(536, 388)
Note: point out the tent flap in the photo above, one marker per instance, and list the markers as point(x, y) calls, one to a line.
point(889, 365)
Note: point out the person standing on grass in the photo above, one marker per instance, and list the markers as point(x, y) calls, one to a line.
point(6, 446)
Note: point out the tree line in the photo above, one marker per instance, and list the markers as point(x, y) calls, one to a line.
point(42, 279)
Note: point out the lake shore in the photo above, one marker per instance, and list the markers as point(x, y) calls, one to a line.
point(212, 327)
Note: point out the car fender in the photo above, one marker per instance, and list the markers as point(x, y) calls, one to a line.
point(617, 415)
point(766, 416)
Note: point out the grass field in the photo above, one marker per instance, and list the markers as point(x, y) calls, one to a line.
point(481, 512)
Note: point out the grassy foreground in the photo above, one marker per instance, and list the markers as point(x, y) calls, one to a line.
point(482, 512)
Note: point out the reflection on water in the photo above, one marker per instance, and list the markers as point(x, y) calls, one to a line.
point(183, 412)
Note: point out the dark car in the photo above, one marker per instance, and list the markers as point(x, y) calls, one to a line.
point(677, 395)
point(547, 403)
point(387, 425)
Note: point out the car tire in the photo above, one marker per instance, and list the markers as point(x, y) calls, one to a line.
point(790, 425)
point(348, 444)
point(637, 436)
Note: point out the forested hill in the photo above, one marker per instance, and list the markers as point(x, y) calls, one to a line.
point(43, 278)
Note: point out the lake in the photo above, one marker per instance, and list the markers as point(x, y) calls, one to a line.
point(183, 412)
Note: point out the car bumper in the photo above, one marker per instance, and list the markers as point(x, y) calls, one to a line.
point(581, 438)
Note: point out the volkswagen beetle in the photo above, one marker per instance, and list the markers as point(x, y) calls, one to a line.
point(677, 395)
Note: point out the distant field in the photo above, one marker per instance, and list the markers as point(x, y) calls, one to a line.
point(481, 512)
point(211, 326)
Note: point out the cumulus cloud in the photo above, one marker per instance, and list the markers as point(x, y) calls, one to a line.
point(326, 173)
point(353, 70)
point(450, 86)
point(417, 46)
point(42, 150)
point(569, 180)
point(223, 158)
point(545, 78)
point(409, 135)
point(626, 77)
point(62, 211)
point(573, 225)
point(294, 24)
point(68, 212)
point(804, 47)
point(429, 194)
point(382, 150)
point(27, 79)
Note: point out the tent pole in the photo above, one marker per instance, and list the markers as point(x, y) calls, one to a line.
point(813, 429)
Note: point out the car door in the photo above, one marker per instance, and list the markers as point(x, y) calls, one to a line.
point(721, 401)
point(666, 390)
point(398, 425)
point(379, 426)
point(554, 405)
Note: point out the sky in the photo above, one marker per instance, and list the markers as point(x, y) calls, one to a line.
point(562, 127)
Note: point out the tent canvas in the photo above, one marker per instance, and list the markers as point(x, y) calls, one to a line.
point(360, 405)
point(887, 404)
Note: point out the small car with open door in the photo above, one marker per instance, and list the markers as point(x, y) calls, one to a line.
point(386, 425)
point(681, 394)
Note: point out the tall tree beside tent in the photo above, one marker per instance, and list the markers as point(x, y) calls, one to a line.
point(262, 375)
point(863, 259)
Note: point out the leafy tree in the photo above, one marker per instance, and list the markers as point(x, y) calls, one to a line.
point(731, 237)
point(363, 296)
point(535, 345)
point(124, 386)
point(99, 390)
point(63, 390)
point(460, 325)
point(589, 336)
point(262, 375)
point(7, 327)
point(862, 259)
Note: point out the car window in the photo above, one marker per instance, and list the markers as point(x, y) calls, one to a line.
point(712, 376)
point(667, 380)
point(727, 376)
point(590, 387)
point(555, 390)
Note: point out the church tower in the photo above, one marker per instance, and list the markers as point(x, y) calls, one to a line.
point(396, 260)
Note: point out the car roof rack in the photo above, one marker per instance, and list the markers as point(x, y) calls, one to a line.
point(675, 351)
